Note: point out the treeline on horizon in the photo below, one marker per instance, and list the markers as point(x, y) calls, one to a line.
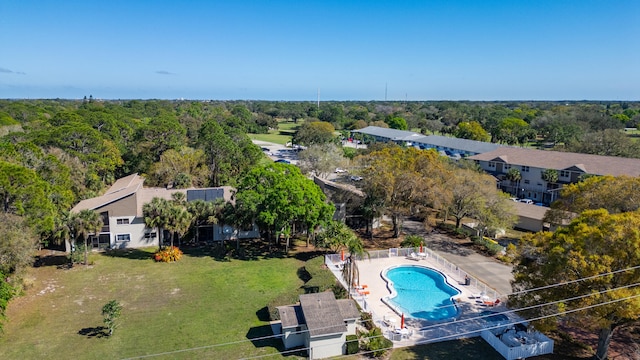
point(54, 153)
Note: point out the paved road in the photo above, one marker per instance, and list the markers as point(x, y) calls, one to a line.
point(497, 275)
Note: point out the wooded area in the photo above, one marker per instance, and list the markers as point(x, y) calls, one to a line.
point(54, 153)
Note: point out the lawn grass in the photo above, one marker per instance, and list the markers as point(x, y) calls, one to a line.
point(272, 137)
point(471, 349)
point(289, 126)
point(197, 302)
point(281, 136)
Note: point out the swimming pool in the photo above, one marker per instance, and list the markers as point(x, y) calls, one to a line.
point(420, 292)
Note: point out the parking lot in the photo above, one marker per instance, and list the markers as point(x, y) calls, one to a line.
point(278, 152)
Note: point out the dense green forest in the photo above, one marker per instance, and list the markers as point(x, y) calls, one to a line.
point(54, 153)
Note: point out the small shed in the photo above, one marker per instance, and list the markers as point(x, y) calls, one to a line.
point(320, 323)
point(530, 217)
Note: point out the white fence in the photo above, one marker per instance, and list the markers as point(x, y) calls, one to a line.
point(444, 264)
point(512, 347)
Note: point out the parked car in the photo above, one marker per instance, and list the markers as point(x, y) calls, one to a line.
point(340, 171)
point(526, 201)
point(283, 161)
point(356, 178)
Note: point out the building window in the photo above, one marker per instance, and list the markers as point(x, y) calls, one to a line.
point(150, 235)
point(525, 168)
point(123, 221)
point(526, 181)
point(123, 237)
point(507, 166)
point(564, 173)
point(492, 164)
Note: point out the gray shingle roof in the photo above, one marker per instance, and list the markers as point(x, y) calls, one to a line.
point(348, 309)
point(391, 134)
point(291, 316)
point(591, 164)
point(466, 145)
point(472, 146)
point(322, 314)
point(530, 211)
point(120, 189)
point(133, 185)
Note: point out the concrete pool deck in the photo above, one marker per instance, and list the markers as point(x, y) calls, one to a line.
point(470, 302)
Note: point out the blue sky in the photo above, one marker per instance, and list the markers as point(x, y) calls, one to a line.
point(349, 50)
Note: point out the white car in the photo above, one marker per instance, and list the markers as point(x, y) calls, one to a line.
point(526, 201)
point(356, 178)
point(340, 171)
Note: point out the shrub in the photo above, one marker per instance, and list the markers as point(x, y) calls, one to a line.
point(6, 293)
point(77, 254)
point(377, 344)
point(317, 278)
point(492, 246)
point(352, 344)
point(168, 254)
point(339, 291)
point(412, 241)
point(367, 321)
point(510, 254)
point(447, 227)
point(111, 311)
point(282, 300)
point(321, 279)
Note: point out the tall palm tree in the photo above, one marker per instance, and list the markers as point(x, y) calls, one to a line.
point(204, 212)
point(84, 223)
point(63, 230)
point(514, 176)
point(156, 215)
point(179, 198)
point(342, 236)
point(178, 221)
point(550, 175)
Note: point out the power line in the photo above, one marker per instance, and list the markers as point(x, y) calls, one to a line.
point(478, 317)
point(511, 311)
point(558, 284)
point(450, 336)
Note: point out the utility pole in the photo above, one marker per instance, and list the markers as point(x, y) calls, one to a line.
point(385, 91)
point(318, 98)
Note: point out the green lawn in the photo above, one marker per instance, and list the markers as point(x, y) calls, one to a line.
point(198, 302)
point(471, 349)
point(282, 136)
point(272, 137)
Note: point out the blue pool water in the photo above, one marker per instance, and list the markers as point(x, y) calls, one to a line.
point(422, 293)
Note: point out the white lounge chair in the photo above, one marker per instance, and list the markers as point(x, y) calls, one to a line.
point(413, 256)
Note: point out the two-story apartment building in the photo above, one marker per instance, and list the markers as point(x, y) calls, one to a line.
point(447, 146)
point(454, 147)
point(531, 165)
point(380, 134)
point(123, 219)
